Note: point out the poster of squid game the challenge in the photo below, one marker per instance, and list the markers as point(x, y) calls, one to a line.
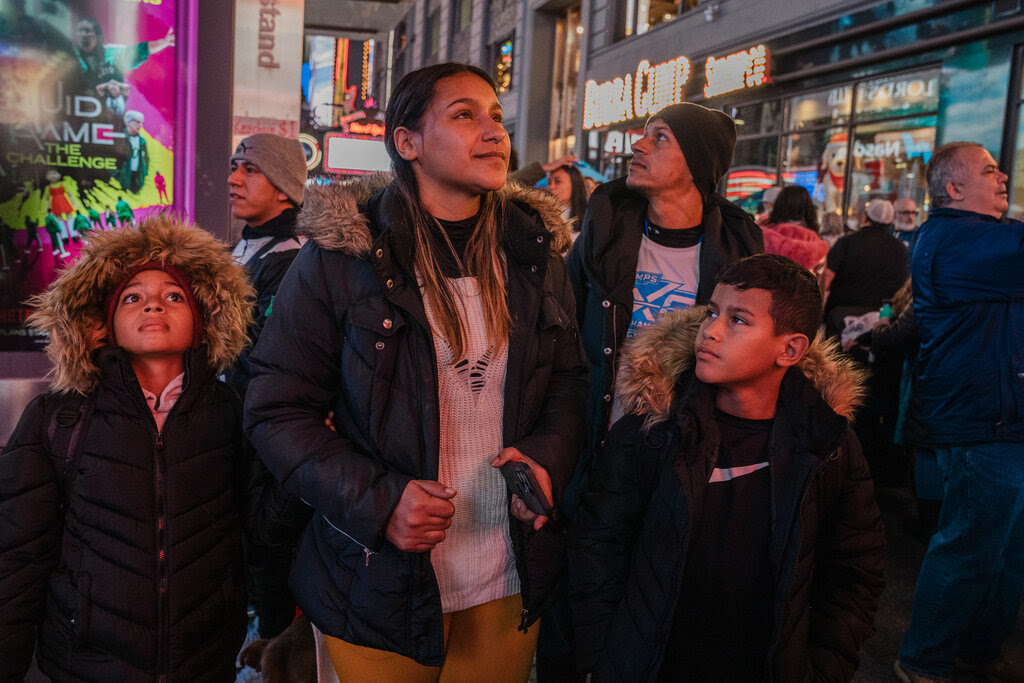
point(87, 106)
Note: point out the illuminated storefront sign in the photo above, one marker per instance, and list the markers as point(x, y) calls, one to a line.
point(743, 69)
point(654, 87)
point(620, 99)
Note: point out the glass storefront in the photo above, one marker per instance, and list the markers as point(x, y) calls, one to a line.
point(846, 144)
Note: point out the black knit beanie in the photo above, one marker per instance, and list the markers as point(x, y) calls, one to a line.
point(707, 138)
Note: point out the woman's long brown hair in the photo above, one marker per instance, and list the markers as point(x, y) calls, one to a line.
point(484, 258)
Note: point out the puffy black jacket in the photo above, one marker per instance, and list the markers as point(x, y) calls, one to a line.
point(627, 550)
point(139, 578)
point(602, 267)
point(349, 334)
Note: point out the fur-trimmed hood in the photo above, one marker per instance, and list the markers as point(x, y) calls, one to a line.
point(653, 361)
point(72, 309)
point(331, 214)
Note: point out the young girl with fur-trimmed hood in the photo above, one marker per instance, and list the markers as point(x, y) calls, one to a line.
point(120, 540)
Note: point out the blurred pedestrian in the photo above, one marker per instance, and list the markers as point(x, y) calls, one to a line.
point(265, 189)
point(566, 183)
point(791, 230)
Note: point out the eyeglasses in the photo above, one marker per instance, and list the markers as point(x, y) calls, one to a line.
point(908, 213)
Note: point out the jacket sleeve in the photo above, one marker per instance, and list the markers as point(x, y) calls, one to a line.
point(601, 539)
point(295, 383)
point(898, 338)
point(578, 276)
point(847, 579)
point(30, 529)
point(560, 430)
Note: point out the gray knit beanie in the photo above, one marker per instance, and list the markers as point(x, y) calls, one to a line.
point(707, 138)
point(280, 159)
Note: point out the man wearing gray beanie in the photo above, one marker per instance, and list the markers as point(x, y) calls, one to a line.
point(652, 241)
point(265, 188)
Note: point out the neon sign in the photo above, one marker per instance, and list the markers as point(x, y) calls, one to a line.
point(653, 88)
point(743, 69)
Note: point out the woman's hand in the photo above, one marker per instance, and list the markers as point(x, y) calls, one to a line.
point(519, 509)
point(423, 512)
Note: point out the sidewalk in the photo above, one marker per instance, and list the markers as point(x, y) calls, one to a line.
point(903, 560)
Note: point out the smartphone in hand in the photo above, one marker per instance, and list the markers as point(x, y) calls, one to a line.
point(520, 480)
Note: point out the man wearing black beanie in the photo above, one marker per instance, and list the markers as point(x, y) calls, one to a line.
point(652, 241)
point(656, 239)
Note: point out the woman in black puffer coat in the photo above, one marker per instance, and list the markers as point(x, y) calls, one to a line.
point(359, 330)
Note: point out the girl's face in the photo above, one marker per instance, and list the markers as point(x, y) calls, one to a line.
point(152, 319)
point(560, 185)
point(460, 145)
point(85, 34)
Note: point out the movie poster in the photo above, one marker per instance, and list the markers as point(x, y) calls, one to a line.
point(87, 92)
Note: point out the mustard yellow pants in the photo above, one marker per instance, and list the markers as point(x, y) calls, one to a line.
point(481, 643)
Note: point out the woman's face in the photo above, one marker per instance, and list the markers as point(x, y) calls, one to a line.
point(85, 34)
point(460, 145)
point(560, 185)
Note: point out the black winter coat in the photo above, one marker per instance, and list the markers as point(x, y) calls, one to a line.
point(602, 267)
point(349, 334)
point(140, 577)
point(627, 551)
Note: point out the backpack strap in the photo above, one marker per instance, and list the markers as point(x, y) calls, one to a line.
point(68, 421)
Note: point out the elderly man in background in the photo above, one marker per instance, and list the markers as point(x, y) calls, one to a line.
point(969, 302)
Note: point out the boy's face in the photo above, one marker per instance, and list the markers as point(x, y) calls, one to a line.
point(152, 318)
point(737, 346)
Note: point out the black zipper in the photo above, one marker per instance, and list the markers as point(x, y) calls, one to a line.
point(163, 600)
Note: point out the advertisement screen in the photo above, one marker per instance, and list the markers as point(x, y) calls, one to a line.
point(87, 92)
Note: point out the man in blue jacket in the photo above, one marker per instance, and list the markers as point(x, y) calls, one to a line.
point(969, 302)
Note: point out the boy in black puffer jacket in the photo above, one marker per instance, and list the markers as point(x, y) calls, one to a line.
point(728, 531)
point(120, 545)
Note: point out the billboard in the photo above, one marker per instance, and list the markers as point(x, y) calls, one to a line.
point(87, 102)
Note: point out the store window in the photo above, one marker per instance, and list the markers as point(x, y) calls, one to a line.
point(1015, 184)
point(433, 42)
point(888, 161)
point(902, 95)
point(754, 169)
point(846, 144)
point(462, 13)
point(565, 80)
point(643, 15)
point(822, 108)
point(502, 53)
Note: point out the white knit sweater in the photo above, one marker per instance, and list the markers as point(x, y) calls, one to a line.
point(475, 563)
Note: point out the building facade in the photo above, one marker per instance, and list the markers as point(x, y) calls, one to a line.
point(846, 99)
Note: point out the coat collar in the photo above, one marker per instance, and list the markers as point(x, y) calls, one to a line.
point(350, 216)
point(657, 360)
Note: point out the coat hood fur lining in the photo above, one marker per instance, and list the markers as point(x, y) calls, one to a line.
point(654, 360)
point(331, 214)
point(71, 310)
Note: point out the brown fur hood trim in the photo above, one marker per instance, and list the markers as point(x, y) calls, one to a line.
point(72, 309)
point(330, 214)
point(654, 360)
